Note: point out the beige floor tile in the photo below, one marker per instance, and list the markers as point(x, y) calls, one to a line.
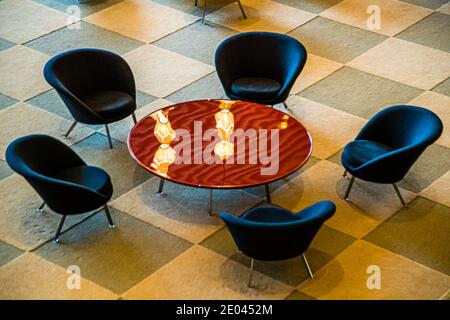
point(160, 72)
point(440, 105)
point(439, 190)
point(34, 120)
point(346, 276)
point(120, 130)
point(445, 8)
point(24, 20)
point(262, 15)
point(20, 223)
point(331, 129)
point(142, 20)
point(395, 17)
point(30, 277)
point(183, 210)
point(406, 62)
point(203, 274)
point(316, 68)
point(21, 70)
point(369, 205)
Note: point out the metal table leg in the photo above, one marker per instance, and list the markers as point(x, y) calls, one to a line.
point(269, 200)
point(210, 202)
point(161, 187)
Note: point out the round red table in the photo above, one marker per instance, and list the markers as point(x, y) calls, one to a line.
point(220, 144)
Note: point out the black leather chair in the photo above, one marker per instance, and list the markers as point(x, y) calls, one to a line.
point(96, 85)
point(259, 66)
point(62, 179)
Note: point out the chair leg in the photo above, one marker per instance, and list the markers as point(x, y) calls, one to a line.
point(70, 129)
point(285, 105)
point(349, 188)
point(307, 266)
point(399, 195)
point(345, 174)
point(251, 273)
point(210, 202)
point(242, 10)
point(134, 118)
point(108, 215)
point(109, 136)
point(58, 231)
point(196, 2)
point(41, 207)
point(204, 11)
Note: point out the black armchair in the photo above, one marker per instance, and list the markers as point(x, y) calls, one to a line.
point(97, 86)
point(259, 66)
point(62, 179)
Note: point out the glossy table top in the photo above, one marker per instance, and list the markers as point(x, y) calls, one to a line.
point(220, 144)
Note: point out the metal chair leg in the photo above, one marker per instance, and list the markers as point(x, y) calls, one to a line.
point(196, 2)
point(70, 129)
point(58, 231)
point(41, 207)
point(349, 188)
point(285, 105)
point(134, 118)
point(161, 186)
point(109, 136)
point(400, 195)
point(269, 200)
point(305, 261)
point(243, 12)
point(251, 273)
point(345, 174)
point(210, 202)
point(108, 216)
point(204, 11)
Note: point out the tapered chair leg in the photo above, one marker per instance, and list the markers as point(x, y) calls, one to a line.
point(345, 174)
point(134, 118)
point(71, 128)
point(250, 279)
point(58, 232)
point(108, 215)
point(242, 10)
point(269, 200)
point(399, 195)
point(210, 202)
point(349, 188)
point(41, 207)
point(109, 136)
point(307, 266)
point(285, 105)
point(204, 11)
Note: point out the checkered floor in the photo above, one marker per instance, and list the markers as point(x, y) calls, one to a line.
point(169, 248)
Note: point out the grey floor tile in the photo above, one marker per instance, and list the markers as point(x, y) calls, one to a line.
point(359, 93)
point(433, 31)
point(187, 6)
point(5, 44)
point(334, 40)
point(443, 87)
point(298, 295)
point(5, 170)
point(6, 101)
point(116, 259)
point(430, 4)
point(197, 41)
point(86, 7)
point(8, 252)
point(419, 232)
point(86, 36)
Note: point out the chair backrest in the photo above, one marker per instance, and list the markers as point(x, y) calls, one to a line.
point(38, 158)
point(80, 72)
point(260, 54)
point(278, 241)
point(403, 126)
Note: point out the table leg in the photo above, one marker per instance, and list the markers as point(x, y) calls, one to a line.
point(161, 186)
point(210, 202)
point(269, 200)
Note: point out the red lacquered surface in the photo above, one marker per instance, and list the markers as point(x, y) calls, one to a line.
point(294, 150)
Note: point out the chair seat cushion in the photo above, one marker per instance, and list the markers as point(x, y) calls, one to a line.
point(110, 104)
point(88, 176)
point(359, 152)
point(255, 88)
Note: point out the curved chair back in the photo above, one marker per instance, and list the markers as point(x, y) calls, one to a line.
point(409, 130)
point(80, 72)
point(278, 240)
point(38, 158)
point(260, 54)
